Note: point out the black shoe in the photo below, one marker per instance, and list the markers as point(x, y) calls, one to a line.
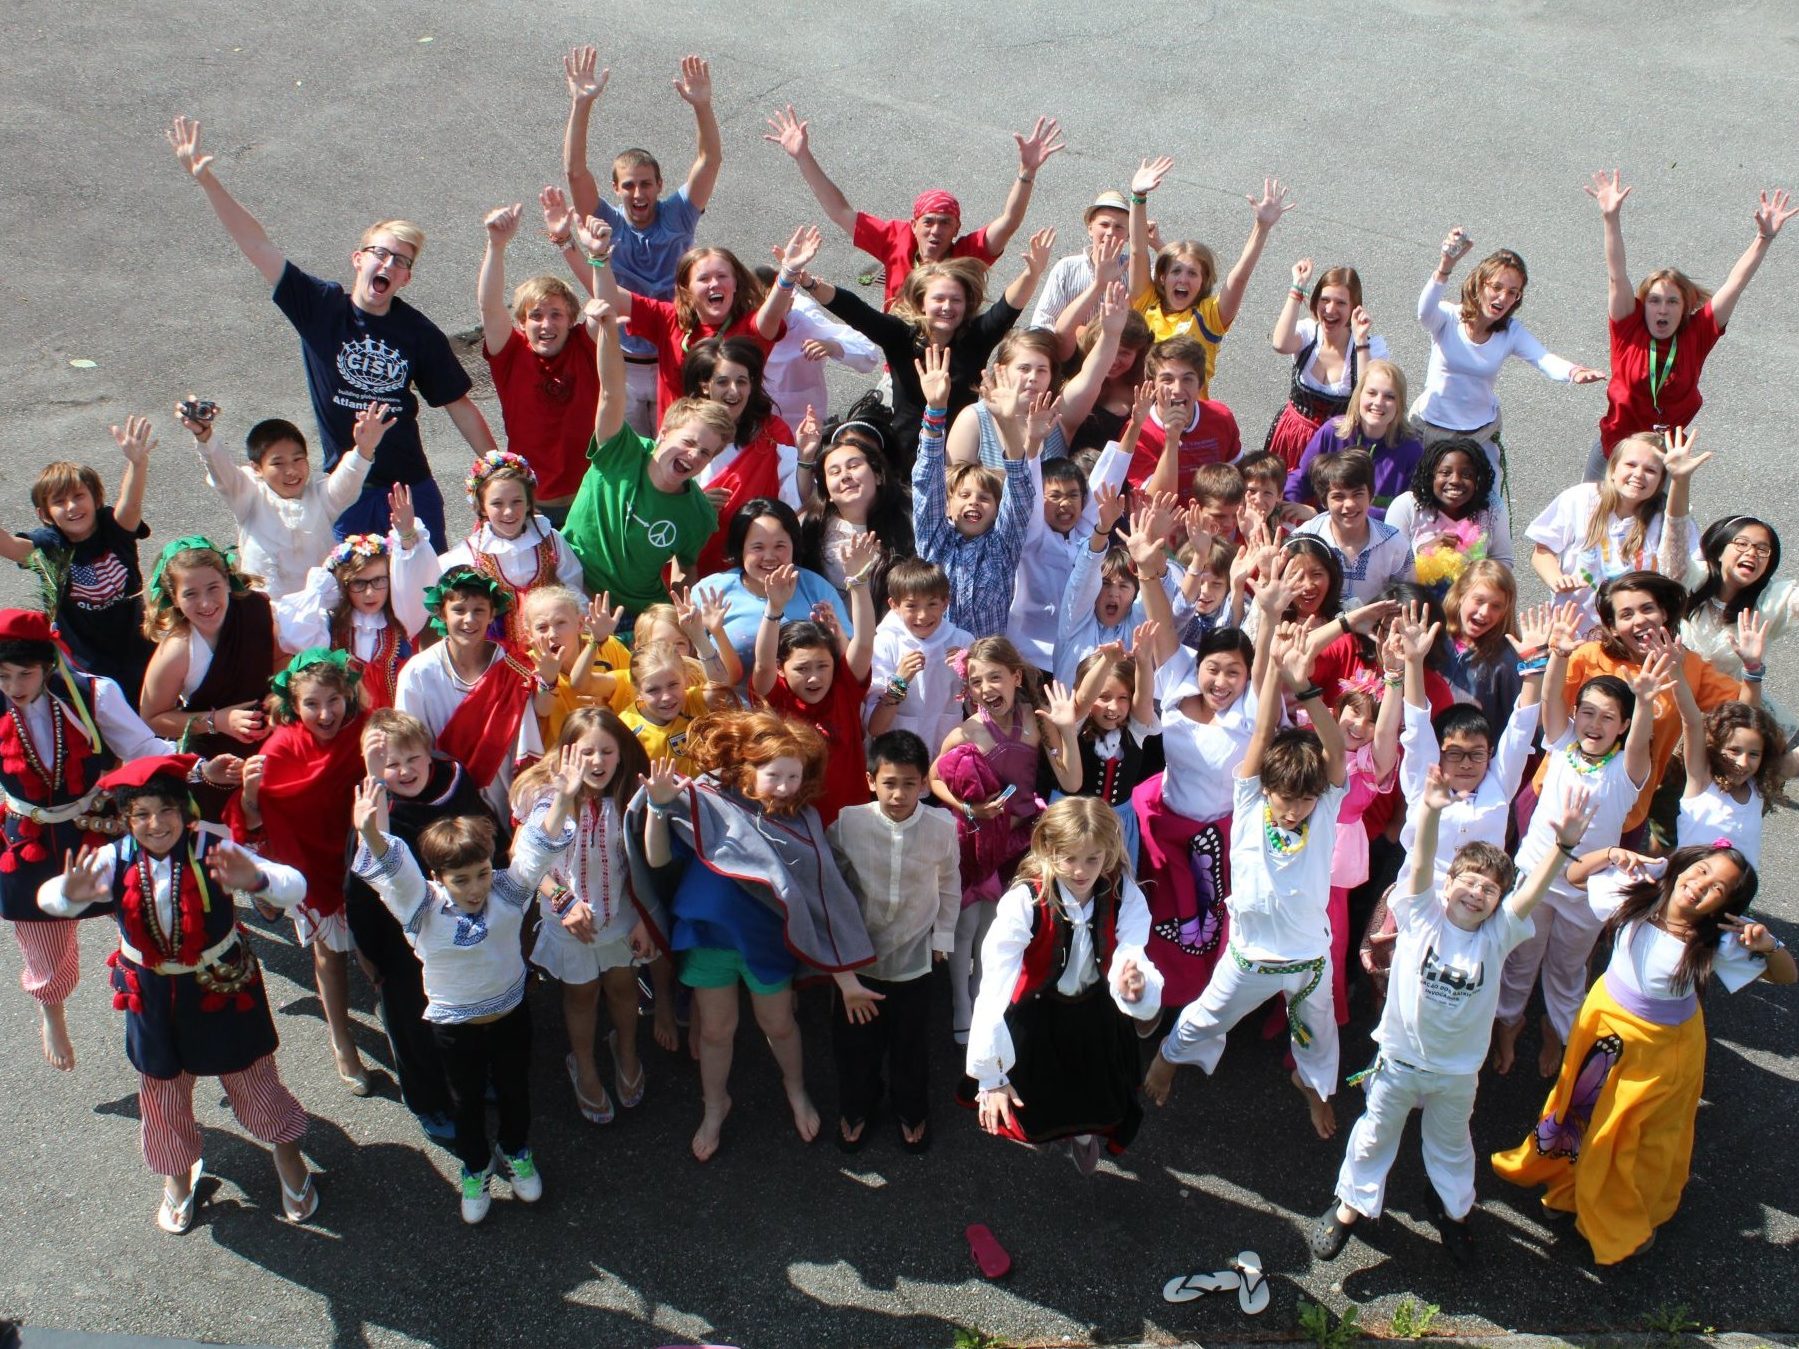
point(1458, 1241)
point(1331, 1235)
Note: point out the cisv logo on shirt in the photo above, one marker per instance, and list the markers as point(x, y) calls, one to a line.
point(372, 366)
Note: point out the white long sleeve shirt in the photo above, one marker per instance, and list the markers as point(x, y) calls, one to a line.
point(517, 558)
point(281, 538)
point(907, 875)
point(1481, 818)
point(286, 886)
point(793, 382)
point(1079, 630)
point(990, 1051)
point(1460, 383)
point(932, 707)
point(1048, 560)
point(303, 619)
point(474, 969)
point(124, 732)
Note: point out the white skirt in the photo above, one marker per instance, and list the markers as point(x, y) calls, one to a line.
point(565, 957)
point(331, 931)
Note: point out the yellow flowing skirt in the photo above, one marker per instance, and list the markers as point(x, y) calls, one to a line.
point(1615, 1141)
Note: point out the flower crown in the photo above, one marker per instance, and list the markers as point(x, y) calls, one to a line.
point(189, 543)
point(310, 659)
point(492, 462)
point(461, 580)
point(357, 549)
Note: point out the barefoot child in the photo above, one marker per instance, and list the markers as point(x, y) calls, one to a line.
point(186, 978)
point(1433, 1033)
point(901, 861)
point(1289, 788)
point(1063, 977)
point(60, 729)
point(464, 924)
point(780, 912)
point(295, 804)
point(584, 939)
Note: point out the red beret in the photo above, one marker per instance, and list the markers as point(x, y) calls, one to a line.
point(936, 202)
point(138, 772)
point(24, 625)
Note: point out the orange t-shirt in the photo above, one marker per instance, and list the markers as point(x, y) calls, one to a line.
point(1710, 688)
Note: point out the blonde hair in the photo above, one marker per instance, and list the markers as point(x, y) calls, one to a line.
point(398, 728)
point(714, 417)
point(1498, 576)
point(403, 230)
point(1197, 254)
point(539, 598)
point(970, 274)
point(1000, 651)
point(1040, 340)
point(1070, 824)
point(534, 290)
point(649, 657)
point(988, 479)
point(1610, 499)
point(1349, 425)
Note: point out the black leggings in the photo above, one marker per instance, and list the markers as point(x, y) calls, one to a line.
point(474, 1053)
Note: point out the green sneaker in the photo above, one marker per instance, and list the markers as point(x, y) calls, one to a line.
point(527, 1184)
point(475, 1198)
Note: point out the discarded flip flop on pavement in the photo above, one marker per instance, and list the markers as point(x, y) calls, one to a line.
point(1188, 1287)
point(987, 1252)
point(1252, 1293)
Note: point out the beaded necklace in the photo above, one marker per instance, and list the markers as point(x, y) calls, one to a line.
point(53, 774)
point(1281, 842)
point(1587, 767)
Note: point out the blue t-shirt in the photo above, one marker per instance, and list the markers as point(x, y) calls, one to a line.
point(100, 598)
point(644, 260)
point(353, 357)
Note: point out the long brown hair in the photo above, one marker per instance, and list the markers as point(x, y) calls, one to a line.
point(747, 300)
point(1490, 266)
point(1647, 900)
point(633, 762)
point(969, 273)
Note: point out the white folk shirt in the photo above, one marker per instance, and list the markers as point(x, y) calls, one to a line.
point(280, 538)
point(1481, 818)
point(907, 875)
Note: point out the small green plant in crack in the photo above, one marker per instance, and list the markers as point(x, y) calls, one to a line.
point(968, 1338)
point(1412, 1319)
point(1673, 1320)
point(1327, 1331)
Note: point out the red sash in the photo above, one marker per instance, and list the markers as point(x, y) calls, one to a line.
point(755, 472)
point(482, 733)
point(307, 789)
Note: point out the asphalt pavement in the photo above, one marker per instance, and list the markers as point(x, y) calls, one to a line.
point(1391, 121)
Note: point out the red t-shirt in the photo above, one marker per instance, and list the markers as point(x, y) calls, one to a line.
point(655, 322)
point(1212, 438)
point(838, 718)
point(548, 407)
point(1629, 408)
point(896, 247)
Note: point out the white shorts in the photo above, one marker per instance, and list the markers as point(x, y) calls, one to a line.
point(332, 931)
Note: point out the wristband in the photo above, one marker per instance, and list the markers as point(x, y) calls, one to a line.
point(810, 465)
point(1392, 681)
point(599, 264)
point(784, 281)
point(1566, 850)
point(968, 812)
point(1307, 694)
point(771, 618)
point(1139, 199)
point(1362, 346)
point(545, 685)
point(1024, 177)
point(560, 900)
point(899, 684)
point(1297, 292)
point(1753, 676)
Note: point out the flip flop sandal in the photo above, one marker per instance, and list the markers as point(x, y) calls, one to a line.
point(1252, 1294)
point(299, 1208)
point(177, 1219)
point(593, 1114)
point(1190, 1287)
point(847, 1144)
point(916, 1146)
point(987, 1252)
point(632, 1097)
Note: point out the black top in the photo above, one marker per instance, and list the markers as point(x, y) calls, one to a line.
point(100, 599)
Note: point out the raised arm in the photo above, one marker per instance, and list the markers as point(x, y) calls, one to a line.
point(1285, 338)
point(1390, 720)
point(1268, 210)
point(610, 414)
point(694, 85)
point(1428, 812)
point(1575, 813)
point(1108, 269)
point(1610, 191)
point(800, 251)
point(1680, 463)
point(1773, 212)
point(245, 231)
point(1036, 261)
point(1080, 393)
point(1146, 650)
point(585, 86)
point(1293, 664)
point(1149, 554)
point(790, 133)
point(1045, 140)
point(490, 282)
point(1149, 176)
point(1694, 748)
point(1654, 678)
point(782, 584)
point(1563, 638)
point(135, 442)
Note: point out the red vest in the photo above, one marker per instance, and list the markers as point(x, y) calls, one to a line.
point(1046, 955)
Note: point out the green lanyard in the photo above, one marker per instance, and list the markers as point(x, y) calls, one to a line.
point(1658, 378)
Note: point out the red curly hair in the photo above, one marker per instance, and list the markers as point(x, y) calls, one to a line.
point(733, 745)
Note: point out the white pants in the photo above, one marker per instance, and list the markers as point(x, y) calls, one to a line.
point(964, 962)
point(1232, 994)
point(1394, 1092)
point(642, 381)
point(1566, 928)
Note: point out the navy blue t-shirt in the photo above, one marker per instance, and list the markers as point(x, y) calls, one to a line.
point(100, 599)
point(353, 357)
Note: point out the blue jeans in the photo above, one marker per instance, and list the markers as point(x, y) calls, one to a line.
point(368, 514)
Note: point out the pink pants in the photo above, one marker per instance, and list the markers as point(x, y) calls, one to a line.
point(171, 1135)
point(52, 959)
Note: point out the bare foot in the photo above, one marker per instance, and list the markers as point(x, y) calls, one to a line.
point(59, 1053)
point(667, 1033)
point(1158, 1080)
point(1505, 1046)
point(851, 1135)
point(805, 1114)
point(1324, 1114)
point(712, 1123)
point(1549, 1057)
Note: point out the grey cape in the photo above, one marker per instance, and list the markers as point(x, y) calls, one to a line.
point(780, 861)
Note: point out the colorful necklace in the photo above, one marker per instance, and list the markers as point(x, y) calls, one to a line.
point(53, 774)
point(1587, 767)
point(1281, 842)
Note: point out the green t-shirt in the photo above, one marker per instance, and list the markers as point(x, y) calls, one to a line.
point(625, 529)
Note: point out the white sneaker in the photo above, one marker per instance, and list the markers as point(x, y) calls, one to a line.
point(475, 1198)
point(521, 1168)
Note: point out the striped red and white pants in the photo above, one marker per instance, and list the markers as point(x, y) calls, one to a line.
point(171, 1135)
point(52, 959)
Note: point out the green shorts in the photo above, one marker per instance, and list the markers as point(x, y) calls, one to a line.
point(718, 967)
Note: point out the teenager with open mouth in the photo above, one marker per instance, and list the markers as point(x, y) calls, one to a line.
point(855, 491)
point(1375, 421)
point(1452, 515)
point(763, 538)
point(1329, 350)
point(1735, 574)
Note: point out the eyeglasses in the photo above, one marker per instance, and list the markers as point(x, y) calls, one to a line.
point(1470, 757)
point(380, 254)
point(366, 585)
point(1752, 548)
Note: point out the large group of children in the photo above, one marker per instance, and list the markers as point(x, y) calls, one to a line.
point(1023, 664)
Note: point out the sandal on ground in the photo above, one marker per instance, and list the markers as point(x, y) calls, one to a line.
point(299, 1207)
point(630, 1097)
point(1252, 1294)
point(1187, 1287)
point(916, 1146)
point(593, 1114)
point(847, 1144)
point(176, 1219)
point(1331, 1235)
